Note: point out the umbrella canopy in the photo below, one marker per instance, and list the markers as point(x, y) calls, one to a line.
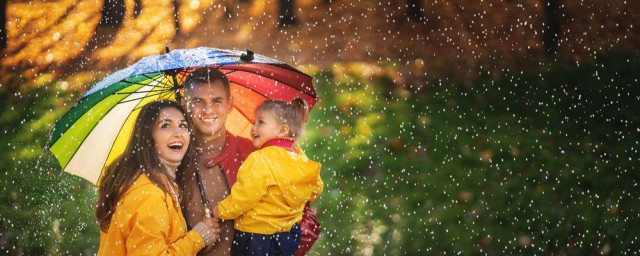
point(97, 129)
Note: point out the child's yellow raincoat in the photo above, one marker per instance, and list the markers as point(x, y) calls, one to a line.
point(271, 191)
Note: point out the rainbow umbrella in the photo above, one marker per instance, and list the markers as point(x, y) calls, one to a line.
point(96, 130)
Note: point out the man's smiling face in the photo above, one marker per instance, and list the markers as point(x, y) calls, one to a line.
point(208, 105)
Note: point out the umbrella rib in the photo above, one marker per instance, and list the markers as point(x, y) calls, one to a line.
point(138, 83)
point(150, 95)
point(160, 95)
point(129, 93)
point(160, 80)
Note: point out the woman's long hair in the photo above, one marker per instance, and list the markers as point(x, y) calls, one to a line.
point(139, 156)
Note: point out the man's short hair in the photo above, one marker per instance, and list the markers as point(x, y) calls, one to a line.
point(207, 75)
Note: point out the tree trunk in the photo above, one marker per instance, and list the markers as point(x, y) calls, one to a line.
point(414, 10)
point(553, 28)
point(112, 13)
point(287, 16)
point(3, 28)
point(137, 8)
point(176, 15)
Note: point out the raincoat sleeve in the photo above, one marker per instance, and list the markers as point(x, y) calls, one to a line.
point(251, 185)
point(150, 226)
point(317, 191)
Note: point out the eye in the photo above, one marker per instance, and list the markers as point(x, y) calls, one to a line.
point(164, 125)
point(183, 125)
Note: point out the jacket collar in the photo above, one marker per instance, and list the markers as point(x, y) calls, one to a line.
point(283, 142)
point(228, 148)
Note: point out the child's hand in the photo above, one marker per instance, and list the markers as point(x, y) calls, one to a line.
point(215, 212)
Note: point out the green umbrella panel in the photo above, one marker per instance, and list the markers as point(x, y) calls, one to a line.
point(82, 137)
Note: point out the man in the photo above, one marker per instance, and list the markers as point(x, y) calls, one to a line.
point(220, 154)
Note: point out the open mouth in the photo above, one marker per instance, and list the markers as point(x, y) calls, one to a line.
point(176, 145)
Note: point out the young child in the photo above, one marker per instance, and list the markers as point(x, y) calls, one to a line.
point(274, 183)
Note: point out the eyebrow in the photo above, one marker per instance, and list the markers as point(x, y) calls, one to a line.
point(213, 99)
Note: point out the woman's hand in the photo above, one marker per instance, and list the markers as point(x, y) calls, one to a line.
point(214, 225)
point(209, 229)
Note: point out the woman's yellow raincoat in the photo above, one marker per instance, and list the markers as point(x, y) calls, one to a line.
point(148, 221)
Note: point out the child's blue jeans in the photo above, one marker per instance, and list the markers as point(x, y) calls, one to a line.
point(285, 243)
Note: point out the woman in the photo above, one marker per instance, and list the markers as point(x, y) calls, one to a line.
point(138, 207)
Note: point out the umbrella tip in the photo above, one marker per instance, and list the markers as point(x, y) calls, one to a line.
point(247, 56)
point(166, 48)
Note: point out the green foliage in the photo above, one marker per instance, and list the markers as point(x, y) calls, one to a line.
point(536, 161)
point(43, 211)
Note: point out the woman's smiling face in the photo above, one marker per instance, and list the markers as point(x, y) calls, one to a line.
point(171, 135)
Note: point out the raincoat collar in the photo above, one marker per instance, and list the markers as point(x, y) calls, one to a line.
point(229, 147)
point(283, 142)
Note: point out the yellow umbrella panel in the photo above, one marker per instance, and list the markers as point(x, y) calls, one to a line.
point(96, 131)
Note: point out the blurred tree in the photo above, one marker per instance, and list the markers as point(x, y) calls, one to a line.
point(287, 16)
point(176, 15)
point(414, 10)
point(3, 28)
point(552, 27)
point(137, 8)
point(112, 13)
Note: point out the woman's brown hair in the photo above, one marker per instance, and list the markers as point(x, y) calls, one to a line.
point(139, 156)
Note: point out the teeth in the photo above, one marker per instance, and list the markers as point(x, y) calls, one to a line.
point(175, 145)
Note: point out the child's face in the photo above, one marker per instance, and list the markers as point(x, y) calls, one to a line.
point(266, 127)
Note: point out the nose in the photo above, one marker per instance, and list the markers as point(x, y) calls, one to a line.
point(178, 132)
point(208, 108)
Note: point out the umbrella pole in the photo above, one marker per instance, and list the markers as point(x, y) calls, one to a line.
point(176, 86)
point(205, 202)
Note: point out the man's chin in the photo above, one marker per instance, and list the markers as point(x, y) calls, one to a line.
point(209, 130)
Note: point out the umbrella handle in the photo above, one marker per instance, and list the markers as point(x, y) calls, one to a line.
point(207, 212)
